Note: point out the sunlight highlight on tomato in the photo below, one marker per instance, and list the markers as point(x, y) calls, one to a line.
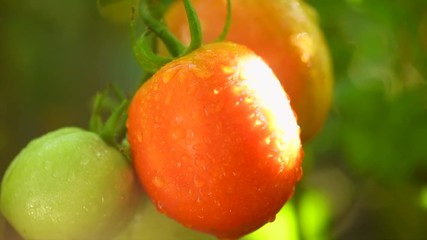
point(268, 96)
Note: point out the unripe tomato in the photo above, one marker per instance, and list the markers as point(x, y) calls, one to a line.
point(68, 184)
point(214, 140)
point(150, 224)
point(286, 35)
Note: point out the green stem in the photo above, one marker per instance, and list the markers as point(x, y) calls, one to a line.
point(173, 45)
point(227, 23)
point(195, 27)
point(143, 50)
point(113, 102)
point(95, 122)
point(115, 124)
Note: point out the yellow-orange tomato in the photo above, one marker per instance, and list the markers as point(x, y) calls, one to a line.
point(285, 34)
point(214, 140)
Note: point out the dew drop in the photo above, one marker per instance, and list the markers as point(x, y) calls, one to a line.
point(207, 140)
point(139, 137)
point(188, 225)
point(178, 133)
point(185, 159)
point(85, 208)
point(218, 203)
point(160, 208)
point(56, 174)
point(228, 69)
point(158, 181)
point(85, 161)
point(272, 218)
point(218, 126)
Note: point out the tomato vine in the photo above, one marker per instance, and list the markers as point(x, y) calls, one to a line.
point(109, 110)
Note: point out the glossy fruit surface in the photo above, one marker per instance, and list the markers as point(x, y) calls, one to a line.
point(68, 184)
point(286, 35)
point(214, 140)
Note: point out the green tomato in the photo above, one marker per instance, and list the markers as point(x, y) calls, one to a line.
point(148, 223)
point(68, 184)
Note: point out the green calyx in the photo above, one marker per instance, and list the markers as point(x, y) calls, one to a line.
point(109, 116)
point(145, 45)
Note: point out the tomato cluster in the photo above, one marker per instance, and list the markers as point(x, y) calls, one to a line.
point(213, 135)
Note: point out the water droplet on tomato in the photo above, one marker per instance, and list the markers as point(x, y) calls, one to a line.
point(207, 140)
point(160, 208)
point(185, 159)
point(56, 174)
point(179, 133)
point(139, 137)
point(85, 161)
point(272, 218)
point(158, 181)
point(218, 126)
point(85, 208)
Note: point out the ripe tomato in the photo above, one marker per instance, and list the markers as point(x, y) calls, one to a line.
point(214, 140)
point(68, 184)
point(285, 34)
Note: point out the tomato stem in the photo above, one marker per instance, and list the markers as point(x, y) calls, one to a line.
point(226, 28)
point(174, 46)
point(195, 27)
point(144, 46)
point(115, 123)
point(114, 127)
point(143, 49)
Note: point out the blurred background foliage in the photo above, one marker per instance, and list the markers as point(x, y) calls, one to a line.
point(365, 174)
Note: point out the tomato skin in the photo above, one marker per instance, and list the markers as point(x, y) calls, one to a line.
point(206, 146)
point(286, 35)
point(68, 184)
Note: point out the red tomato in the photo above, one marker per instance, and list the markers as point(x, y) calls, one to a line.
point(214, 140)
point(286, 35)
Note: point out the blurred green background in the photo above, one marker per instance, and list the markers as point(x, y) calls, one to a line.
point(365, 174)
